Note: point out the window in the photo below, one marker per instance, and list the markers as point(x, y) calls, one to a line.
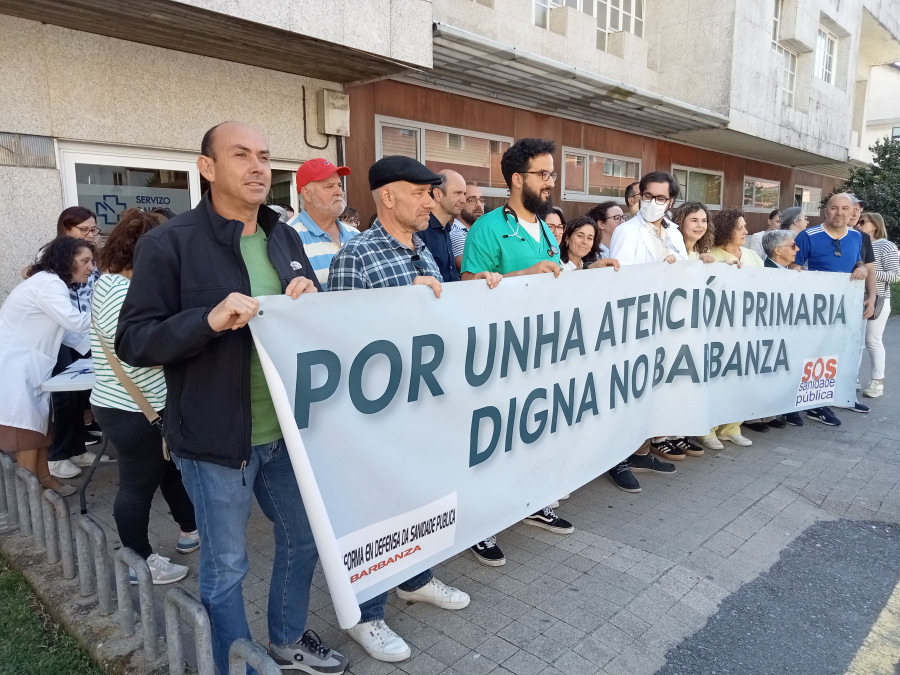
point(698, 185)
point(776, 22)
point(808, 198)
point(474, 155)
point(895, 134)
point(761, 194)
point(789, 65)
point(825, 48)
point(596, 177)
point(109, 179)
point(612, 16)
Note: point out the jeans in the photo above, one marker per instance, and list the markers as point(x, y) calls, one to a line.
point(373, 609)
point(142, 469)
point(222, 504)
point(874, 340)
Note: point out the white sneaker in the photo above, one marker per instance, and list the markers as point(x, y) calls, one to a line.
point(87, 458)
point(874, 389)
point(379, 641)
point(162, 571)
point(711, 442)
point(737, 439)
point(63, 468)
point(438, 594)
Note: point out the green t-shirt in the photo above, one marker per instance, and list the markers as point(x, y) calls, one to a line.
point(487, 250)
point(263, 281)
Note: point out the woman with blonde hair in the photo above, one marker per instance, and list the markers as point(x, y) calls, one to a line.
point(887, 272)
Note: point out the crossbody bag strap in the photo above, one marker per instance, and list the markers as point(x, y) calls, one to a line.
point(133, 390)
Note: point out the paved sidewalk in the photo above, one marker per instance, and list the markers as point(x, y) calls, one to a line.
point(641, 572)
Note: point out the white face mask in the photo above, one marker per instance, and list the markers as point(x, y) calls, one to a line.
point(651, 211)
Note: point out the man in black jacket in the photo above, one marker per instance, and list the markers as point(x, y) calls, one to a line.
point(192, 293)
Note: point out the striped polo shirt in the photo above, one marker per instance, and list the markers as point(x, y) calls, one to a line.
point(106, 303)
point(318, 245)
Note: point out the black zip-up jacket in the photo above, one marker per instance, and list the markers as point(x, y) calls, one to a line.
point(183, 269)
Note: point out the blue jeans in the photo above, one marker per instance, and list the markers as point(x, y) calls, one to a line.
point(222, 506)
point(373, 609)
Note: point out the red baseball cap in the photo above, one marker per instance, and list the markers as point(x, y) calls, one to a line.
point(318, 169)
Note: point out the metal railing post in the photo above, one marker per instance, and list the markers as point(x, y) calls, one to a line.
point(124, 559)
point(243, 652)
point(58, 522)
point(30, 500)
point(179, 602)
point(86, 528)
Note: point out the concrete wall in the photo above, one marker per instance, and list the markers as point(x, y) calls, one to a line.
point(397, 29)
point(882, 107)
point(820, 119)
point(715, 54)
point(79, 86)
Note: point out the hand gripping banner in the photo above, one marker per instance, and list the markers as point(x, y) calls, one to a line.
point(418, 426)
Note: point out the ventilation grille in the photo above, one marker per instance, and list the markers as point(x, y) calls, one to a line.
point(27, 151)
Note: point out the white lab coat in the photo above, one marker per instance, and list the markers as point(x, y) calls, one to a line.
point(32, 321)
point(631, 244)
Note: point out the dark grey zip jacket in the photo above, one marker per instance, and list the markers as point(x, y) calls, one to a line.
point(183, 269)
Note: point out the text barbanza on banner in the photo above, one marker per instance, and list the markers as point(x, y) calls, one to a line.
point(429, 424)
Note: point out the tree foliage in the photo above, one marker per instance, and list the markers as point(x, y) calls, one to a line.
point(879, 184)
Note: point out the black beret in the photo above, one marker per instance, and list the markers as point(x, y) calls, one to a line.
point(397, 167)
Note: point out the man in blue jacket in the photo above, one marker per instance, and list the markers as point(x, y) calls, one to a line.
point(193, 291)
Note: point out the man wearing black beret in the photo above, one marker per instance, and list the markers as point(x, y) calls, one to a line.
point(390, 253)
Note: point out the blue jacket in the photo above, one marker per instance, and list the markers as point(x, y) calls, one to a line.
point(436, 238)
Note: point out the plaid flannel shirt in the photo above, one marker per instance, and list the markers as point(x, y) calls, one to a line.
point(375, 259)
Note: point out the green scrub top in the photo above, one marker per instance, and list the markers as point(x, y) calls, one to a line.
point(487, 250)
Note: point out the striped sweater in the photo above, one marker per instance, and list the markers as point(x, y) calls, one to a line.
point(887, 265)
point(106, 303)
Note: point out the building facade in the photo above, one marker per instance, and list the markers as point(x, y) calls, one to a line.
point(754, 104)
point(750, 103)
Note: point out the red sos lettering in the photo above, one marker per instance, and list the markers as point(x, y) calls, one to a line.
point(816, 370)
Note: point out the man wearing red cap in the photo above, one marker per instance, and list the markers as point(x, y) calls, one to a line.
point(322, 234)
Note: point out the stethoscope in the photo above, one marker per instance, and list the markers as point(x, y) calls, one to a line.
point(552, 251)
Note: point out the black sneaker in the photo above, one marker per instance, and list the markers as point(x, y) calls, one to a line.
point(547, 519)
point(93, 429)
point(759, 427)
point(623, 479)
point(643, 463)
point(824, 415)
point(666, 450)
point(488, 553)
point(777, 423)
point(308, 655)
point(858, 407)
point(793, 419)
point(687, 446)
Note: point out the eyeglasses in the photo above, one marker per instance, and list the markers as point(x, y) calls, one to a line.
point(618, 219)
point(659, 199)
point(792, 245)
point(556, 228)
point(837, 247)
point(420, 270)
point(476, 200)
point(88, 230)
point(545, 175)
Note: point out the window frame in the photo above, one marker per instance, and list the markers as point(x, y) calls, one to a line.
point(816, 211)
point(683, 197)
point(574, 196)
point(754, 208)
point(821, 67)
point(382, 121)
point(895, 134)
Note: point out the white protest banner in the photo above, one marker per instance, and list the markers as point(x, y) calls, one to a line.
point(428, 424)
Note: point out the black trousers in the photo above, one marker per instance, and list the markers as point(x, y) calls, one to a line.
point(142, 469)
point(67, 421)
